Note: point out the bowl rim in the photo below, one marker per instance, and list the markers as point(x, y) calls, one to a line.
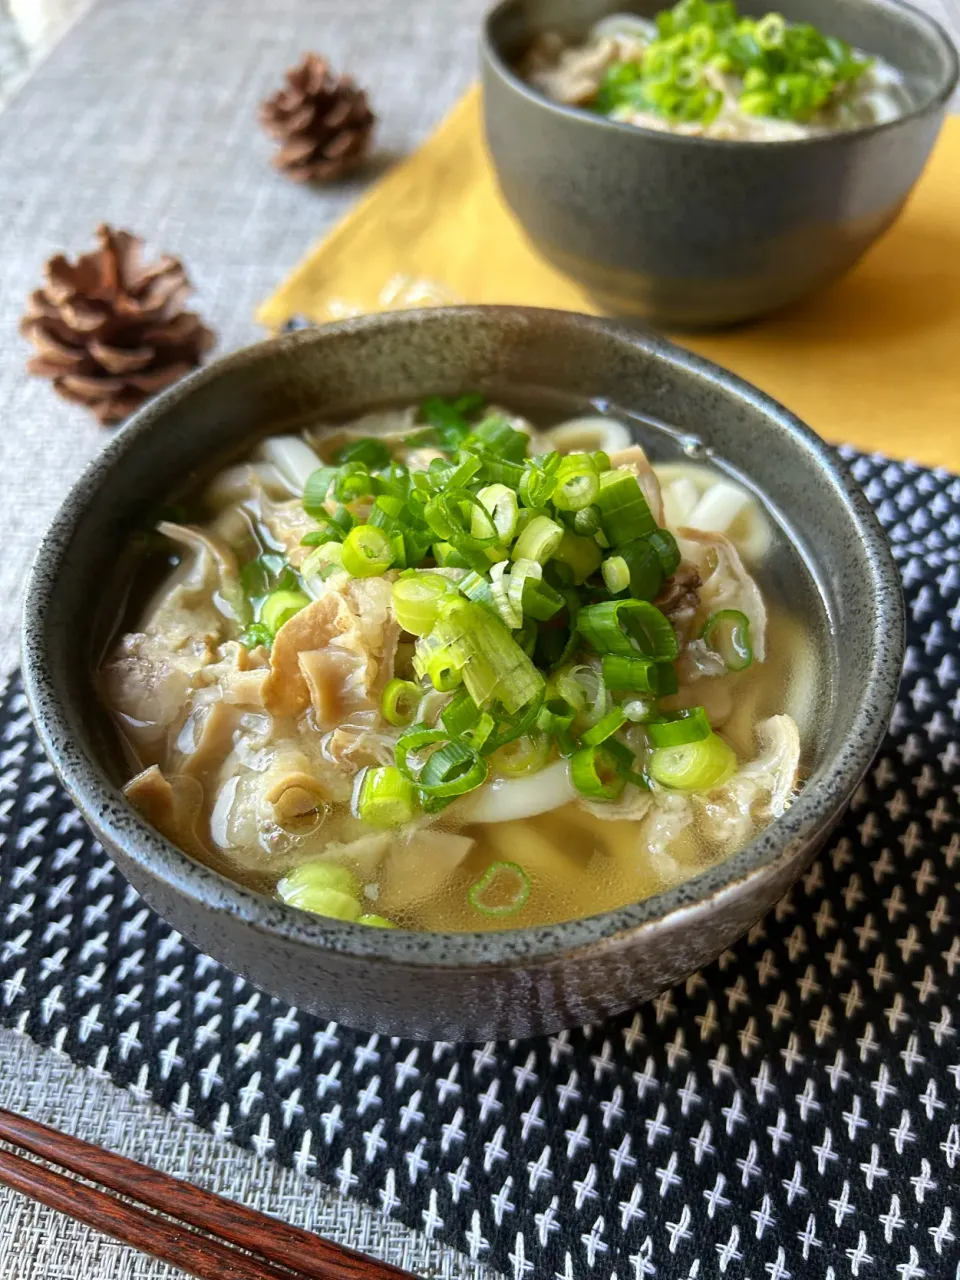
point(119, 824)
point(491, 55)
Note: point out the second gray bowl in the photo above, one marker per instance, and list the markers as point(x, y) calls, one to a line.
point(696, 232)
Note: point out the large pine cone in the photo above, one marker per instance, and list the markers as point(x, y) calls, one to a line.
point(323, 122)
point(111, 331)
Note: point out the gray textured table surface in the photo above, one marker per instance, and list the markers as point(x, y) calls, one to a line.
point(145, 115)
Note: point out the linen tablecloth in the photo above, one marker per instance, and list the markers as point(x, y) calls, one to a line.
point(146, 116)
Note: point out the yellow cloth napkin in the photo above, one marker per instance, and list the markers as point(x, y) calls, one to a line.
point(873, 361)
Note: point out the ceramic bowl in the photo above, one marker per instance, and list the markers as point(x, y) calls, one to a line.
point(473, 985)
point(694, 232)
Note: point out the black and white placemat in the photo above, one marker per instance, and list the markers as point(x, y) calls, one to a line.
point(792, 1112)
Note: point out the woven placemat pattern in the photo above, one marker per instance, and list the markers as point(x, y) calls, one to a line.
point(791, 1111)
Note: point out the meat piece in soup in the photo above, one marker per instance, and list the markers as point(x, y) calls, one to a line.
point(440, 669)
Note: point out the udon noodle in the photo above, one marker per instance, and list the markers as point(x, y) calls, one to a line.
point(441, 669)
point(699, 70)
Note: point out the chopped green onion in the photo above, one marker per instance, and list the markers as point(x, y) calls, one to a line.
point(628, 675)
point(628, 627)
point(540, 600)
point(459, 715)
point(442, 666)
point(385, 511)
point(501, 504)
point(538, 480)
point(680, 728)
point(455, 513)
point(328, 555)
point(372, 453)
point(256, 634)
point(367, 552)
point(394, 479)
point(316, 490)
point(624, 512)
point(502, 890)
point(665, 545)
point(538, 541)
point(280, 607)
point(586, 522)
point(596, 773)
point(577, 484)
point(449, 424)
point(416, 601)
point(325, 888)
point(554, 715)
point(376, 922)
point(452, 770)
point(400, 701)
point(466, 469)
point(268, 572)
point(509, 727)
point(605, 728)
point(495, 668)
point(526, 754)
point(353, 481)
point(478, 735)
point(616, 574)
point(386, 798)
point(694, 766)
point(448, 557)
point(499, 471)
point(415, 739)
point(727, 633)
point(581, 556)
point(495, 435)
point(646, 572)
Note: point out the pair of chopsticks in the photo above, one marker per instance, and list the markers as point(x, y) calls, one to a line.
point(275, 1250)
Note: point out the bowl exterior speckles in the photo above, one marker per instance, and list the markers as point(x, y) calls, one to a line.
point(694, 232)
point(461, 986)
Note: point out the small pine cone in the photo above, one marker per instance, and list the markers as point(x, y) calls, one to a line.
point(322, 121)
point(110, 331)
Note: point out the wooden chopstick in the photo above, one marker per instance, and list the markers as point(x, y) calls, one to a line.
point(284, 1252)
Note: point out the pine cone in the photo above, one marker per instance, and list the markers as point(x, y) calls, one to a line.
point(110, 331)
point(323, 122)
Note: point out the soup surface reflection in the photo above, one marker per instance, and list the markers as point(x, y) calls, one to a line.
point(441, 668)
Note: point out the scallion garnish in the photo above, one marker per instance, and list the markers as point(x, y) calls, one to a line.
point(544, 567)
point(416, 601)
point(280, 607)
point(605, 728)
point(624, 513)
point(501, 891)
point(385, 798)
point(596, 773)
point(616, 574)
point(727, 633)
point(682, 727)
point(629, 627)
point(367, 552)
point(693, 766)
point(372, 453)
point(538, 541)
point(399, 701)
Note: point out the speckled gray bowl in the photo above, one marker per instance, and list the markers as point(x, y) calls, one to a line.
point(465, 986)
point(693, 232)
